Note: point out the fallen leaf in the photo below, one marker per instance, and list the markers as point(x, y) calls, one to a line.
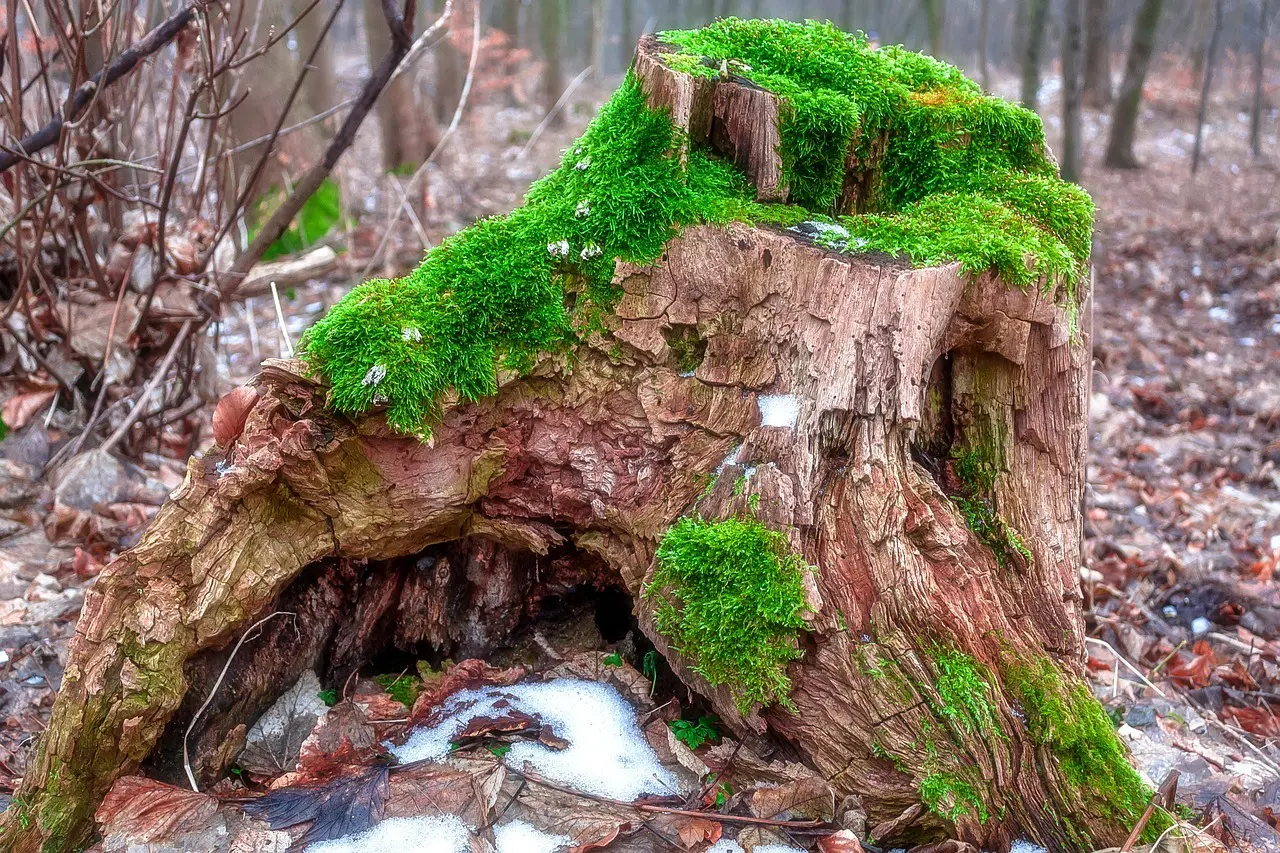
point(345, 806)
point(18, 410)
point(843, 841)
point(141, 810)
point(467, 675)
point(275, 741)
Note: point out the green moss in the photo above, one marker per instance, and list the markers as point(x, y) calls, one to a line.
point(1071, 723)
point(510, 288)
point(951, 797)
point(964, 688)
point(730, 598)
point(976, 470)
point(945, 174)
point(955, 175)
point(402, 688)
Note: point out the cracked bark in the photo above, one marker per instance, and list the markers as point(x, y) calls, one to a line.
point(589, 464)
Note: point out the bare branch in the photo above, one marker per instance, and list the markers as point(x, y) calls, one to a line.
point(122, 65)
point(314, 177)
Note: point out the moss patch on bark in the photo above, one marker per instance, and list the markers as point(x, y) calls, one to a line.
point(953, 175)
point(1065, 718)
point(730, 597)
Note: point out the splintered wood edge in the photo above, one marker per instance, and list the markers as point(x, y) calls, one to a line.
point(733, 116)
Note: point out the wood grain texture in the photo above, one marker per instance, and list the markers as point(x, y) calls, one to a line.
point(601, 459)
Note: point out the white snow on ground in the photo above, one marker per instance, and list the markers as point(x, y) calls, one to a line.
point(1026, 847)
point(780, 410)
point(726, 845)
point(607, 754)
point(520, 837)
point(444, 834)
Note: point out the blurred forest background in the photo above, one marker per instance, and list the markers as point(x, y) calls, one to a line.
point(186, 187)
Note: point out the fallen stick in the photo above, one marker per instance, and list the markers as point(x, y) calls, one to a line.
point(649, 807)
point(1163, 798)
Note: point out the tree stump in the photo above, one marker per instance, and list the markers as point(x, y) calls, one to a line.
point(917, 435)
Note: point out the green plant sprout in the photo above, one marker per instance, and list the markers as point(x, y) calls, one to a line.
point(402, 688)
point(694, 733)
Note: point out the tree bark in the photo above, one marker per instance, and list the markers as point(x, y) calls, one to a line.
point(1072, 35)
point(1124, 121)
point(572, 474)
point(1259, 64)
point(320, 87)
point(1211, 57)
point(1037, 16)
point(1097, 54)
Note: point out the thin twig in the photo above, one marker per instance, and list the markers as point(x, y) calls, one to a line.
point(1130, 666)
point(656, 809)
point(555, 109)
point(161, 372)
point(1161, 798)
point(186, 756)
point(284, 330)
point(87, 92)
point(435, 152)
point(313, 177)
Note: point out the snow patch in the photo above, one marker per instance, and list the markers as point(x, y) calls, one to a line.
point(727, 845)
point(607, 754)
point(779, 410)
point(520, 837)
point(1026, 847)
point(443, 834)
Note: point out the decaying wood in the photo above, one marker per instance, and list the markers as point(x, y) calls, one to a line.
point(316, 263)
point(588, 463)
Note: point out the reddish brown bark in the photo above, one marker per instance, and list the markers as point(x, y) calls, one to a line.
point(893, 367)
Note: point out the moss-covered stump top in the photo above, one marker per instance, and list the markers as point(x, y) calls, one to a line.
point(942, 173)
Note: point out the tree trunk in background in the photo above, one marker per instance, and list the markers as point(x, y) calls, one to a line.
point(451, 69)
point(848, 16)
point(552, 74)
point(1259, 64)
point(1072, 51)
point(1037, 17)
point(1201, 26)
point(268, 81)
point(1124, 119)
point(377, 43)
point(935, 19)
point(627, 32)
point(599, 24)
point(508, 19)
point(984, 31)
point(1211, 59)
point(1097, 54)
point(320, 87)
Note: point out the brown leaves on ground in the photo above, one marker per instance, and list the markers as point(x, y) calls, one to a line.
point(146, 811)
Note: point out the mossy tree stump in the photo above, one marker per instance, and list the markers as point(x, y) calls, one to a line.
point(915, 434)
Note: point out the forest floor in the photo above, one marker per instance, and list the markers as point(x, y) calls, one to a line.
point(1183, 500)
